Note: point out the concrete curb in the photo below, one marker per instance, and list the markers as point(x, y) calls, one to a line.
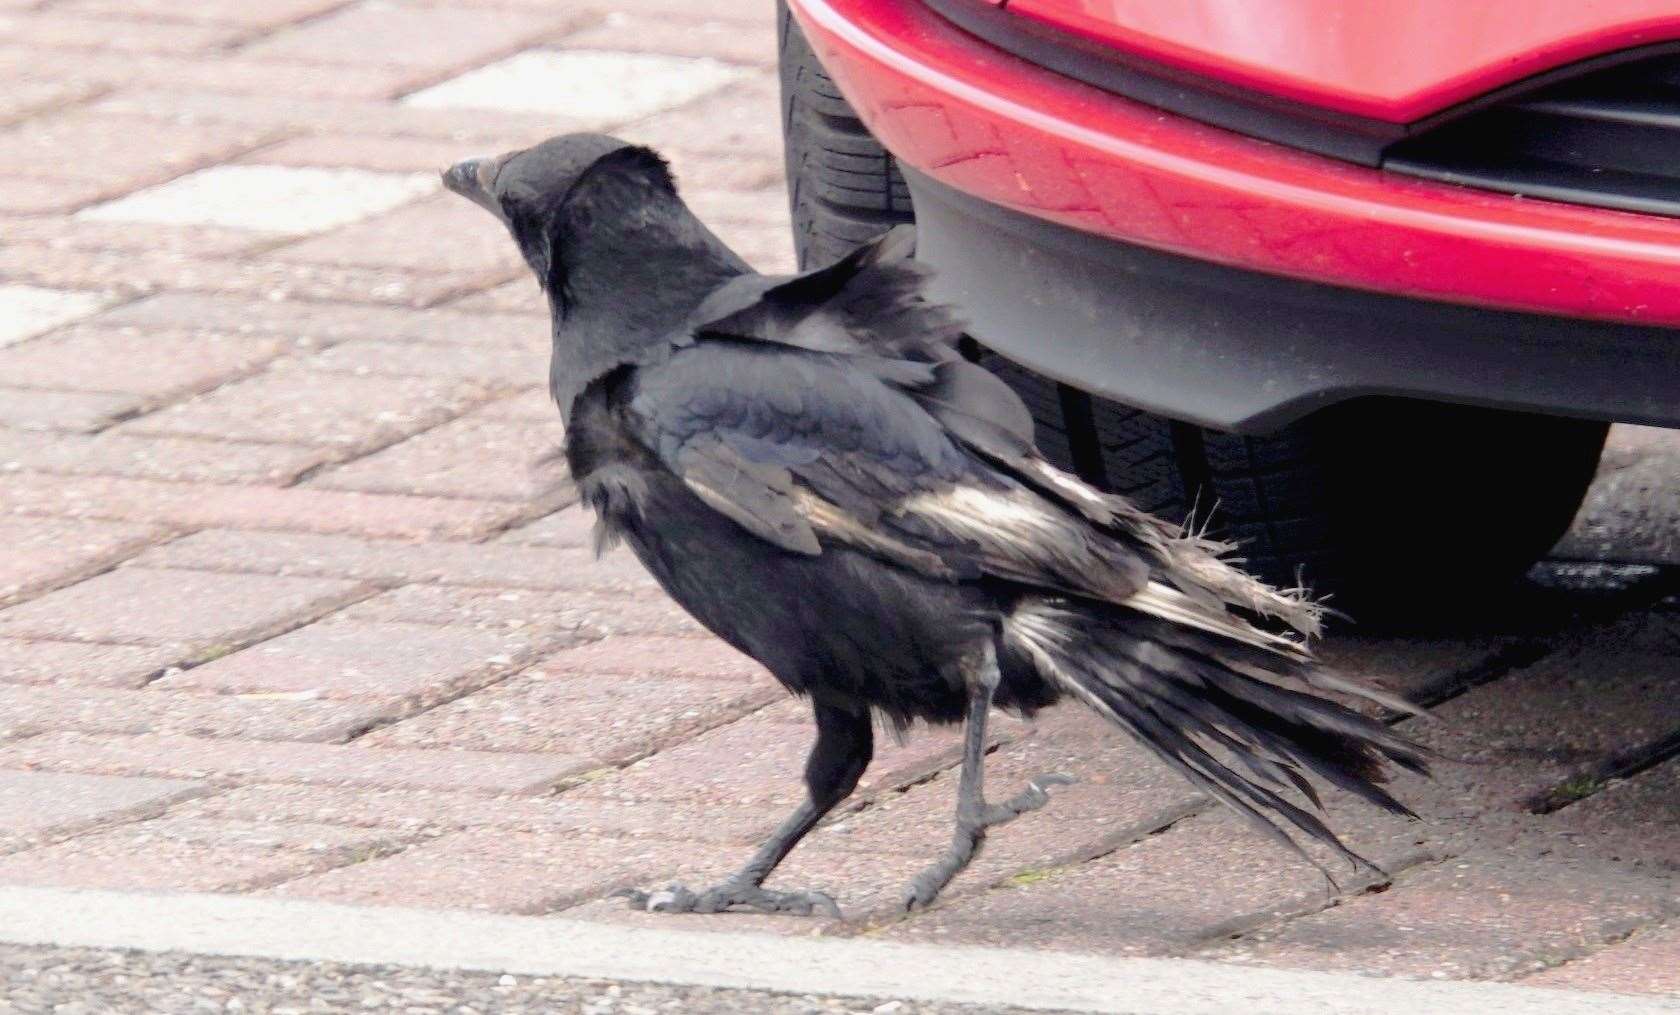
point(550, 946)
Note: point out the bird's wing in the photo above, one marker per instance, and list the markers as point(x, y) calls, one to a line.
point(804, 449)
point(869, 308)
point(870, 301)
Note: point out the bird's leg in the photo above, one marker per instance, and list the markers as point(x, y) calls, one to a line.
point(845, 744)
point(974, 814)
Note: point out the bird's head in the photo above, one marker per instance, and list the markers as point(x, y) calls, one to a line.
point(621, 258)
point(535, 191)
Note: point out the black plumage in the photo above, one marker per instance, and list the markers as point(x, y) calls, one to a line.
point(808, 466)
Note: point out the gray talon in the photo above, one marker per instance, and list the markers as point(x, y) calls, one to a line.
point(675, 899)
point(971, 832)
point(678, 899)
point(916, 897)
point(1036, 795)
point(824, 902)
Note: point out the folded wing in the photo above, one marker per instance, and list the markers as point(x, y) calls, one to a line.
point(803, 448)
point(853, 369)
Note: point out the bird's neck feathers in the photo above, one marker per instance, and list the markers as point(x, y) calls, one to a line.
point(632, 262)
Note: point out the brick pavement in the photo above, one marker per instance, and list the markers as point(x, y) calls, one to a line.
point(287, 607)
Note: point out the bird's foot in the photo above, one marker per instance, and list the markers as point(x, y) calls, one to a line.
point(926, 886)
point(730, 895)
point(1036, 795)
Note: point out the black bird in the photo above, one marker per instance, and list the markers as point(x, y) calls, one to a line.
point(808, 466)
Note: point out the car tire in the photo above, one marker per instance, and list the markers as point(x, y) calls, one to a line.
point(842, 186)
point(1374, 500)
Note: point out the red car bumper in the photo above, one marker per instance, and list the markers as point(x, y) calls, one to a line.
point(1015, 135)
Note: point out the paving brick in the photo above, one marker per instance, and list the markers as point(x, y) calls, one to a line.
point(601, 88)
point(23, 97)
point(514, 872)
point(1409, 665)
point(268, 14)
point(23, 196)
point(264, 77)
point(1628, 445)
point(136, 273)
point(760, 762)
point(534, 406)
point(1478, 916)
point(52, 29)
point(190, 855)
point(28, 711)
point(638, 33)
point(299, 406)
point(67, 231)
point(1166, 893)
point(390, 561)
point(176, 459)
point(431, 38)
point(748, 16)
point(745, 117)
point(90, 73)
point(700, 172)
point(195, 610)
point(158, 365)
point(41, 553)
point(73, 411)
point(635, 613)
point(523, 365)
point(494, 773)
point(435, 811)
point(283, 199)
point(589, 614)
point(608, 717)
point(408, 238)
point(1629, 513)
point(118, 152)
point(1604, 680)
point(570, 526)
point(27, 311)
point(1631, 820)
point(321, 322)
point(656, 656)
point(205, 505)
point(767, 247)
point(36, 804)
point(274, 114)
point(468, 457)
point(485, 608)
point(1646, 963)
point(520, 296)
point(87, 664)
point(402, 666)
point(361, 151)
point(765, 205)
point(429, 811)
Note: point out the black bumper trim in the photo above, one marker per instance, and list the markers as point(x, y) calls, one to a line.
point(1246, 351)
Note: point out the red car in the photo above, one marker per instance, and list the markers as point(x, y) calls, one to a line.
point(1361, 282)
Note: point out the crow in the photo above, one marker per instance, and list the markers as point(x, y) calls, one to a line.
point(810, 467)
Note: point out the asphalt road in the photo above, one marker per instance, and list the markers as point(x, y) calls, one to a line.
point(74, 981)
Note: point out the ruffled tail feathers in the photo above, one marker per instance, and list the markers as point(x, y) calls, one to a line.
point(1244, 723)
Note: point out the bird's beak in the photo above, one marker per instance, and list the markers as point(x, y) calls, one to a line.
point(472, 178)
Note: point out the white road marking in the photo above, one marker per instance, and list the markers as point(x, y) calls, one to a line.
point(553, 946)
